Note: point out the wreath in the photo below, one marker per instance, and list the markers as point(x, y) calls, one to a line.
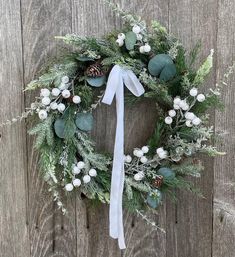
point(153, 65)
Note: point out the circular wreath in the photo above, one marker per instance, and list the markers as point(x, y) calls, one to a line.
point(73, 87)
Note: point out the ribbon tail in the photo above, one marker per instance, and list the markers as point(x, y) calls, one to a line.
point(117, 183)
point(115, 86)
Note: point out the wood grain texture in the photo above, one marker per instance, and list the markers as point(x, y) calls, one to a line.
point(13, 190)
point(51, 233)
point(189, 231)
point(224, 176)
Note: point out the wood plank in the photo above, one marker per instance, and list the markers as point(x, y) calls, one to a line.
point(189, 230)
point(140, 241)
point(224, 176)
point(51, 233)
point(13, 190)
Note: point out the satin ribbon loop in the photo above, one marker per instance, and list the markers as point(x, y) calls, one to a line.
point(119, 77)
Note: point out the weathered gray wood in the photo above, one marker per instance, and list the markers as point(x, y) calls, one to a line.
point(189, 230)
point(13, 182)
point(51, 233)
point(224, 176)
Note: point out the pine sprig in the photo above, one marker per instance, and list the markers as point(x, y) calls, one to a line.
point(44, 132)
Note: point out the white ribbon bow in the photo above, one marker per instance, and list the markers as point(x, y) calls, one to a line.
point(115, 86)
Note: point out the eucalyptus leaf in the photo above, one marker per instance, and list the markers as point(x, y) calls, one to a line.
point(59, 127)
point(157, 63)
point(168, 72)
point(97, 81)
point(130, 40)
point(167, 173)
point(84, 121)
point(154, 198)
point(70, 128)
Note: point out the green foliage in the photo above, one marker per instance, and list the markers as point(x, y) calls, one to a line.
point(212, 101)
point(204, 70)
point(130, 40)
point(59, 127)
point(44, 133)
point(54, 74)
point(157, 64)
point(158, 136)
point(84, 121)
point(69, 119)
point(188, 167)
point(97, 81)
point(135, 203)
point(194, 54)
point(86, 149)
point(86, 94)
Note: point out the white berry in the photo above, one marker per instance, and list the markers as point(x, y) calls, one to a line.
point(193, 91)
point(55, 91)
point(66, 93)
point(77, 99)
point(42, 115)
point(139, 153)
point(136, 29)
point(163, 155)
point(54, 106)
point(76, 170)
point(77, 182)
point(201, 98)
point(189, 115)
point(45, 92)
point(120, 42)
point(61, 107)
point(147, 48)
point(160, 150)
point(172, 113)
point(176, 107)
point(141, 49)
point(65, 79)
point(196, 121)
point(185, 107)
point(128, 158)
point(80, 165)
point(182, 103)
point(121, 36)
point(143, 159)
point(135, 152)
point(86, 179)
point(69, 187)
point(188, 123)
point(92, 172)
point(145, 149)
point(139, 37)
point(177, 100)
point(138, 177)
point(168, 120)
point(46, 100)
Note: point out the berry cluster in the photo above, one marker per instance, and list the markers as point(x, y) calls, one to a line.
point(52, 100)
point(76, 170)
point(144, 47)
point(182, 110)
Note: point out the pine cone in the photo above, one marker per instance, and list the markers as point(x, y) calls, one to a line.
point(95, 70)
point(158, 181)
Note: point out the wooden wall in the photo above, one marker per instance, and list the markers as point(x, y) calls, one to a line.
point(30, 226)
